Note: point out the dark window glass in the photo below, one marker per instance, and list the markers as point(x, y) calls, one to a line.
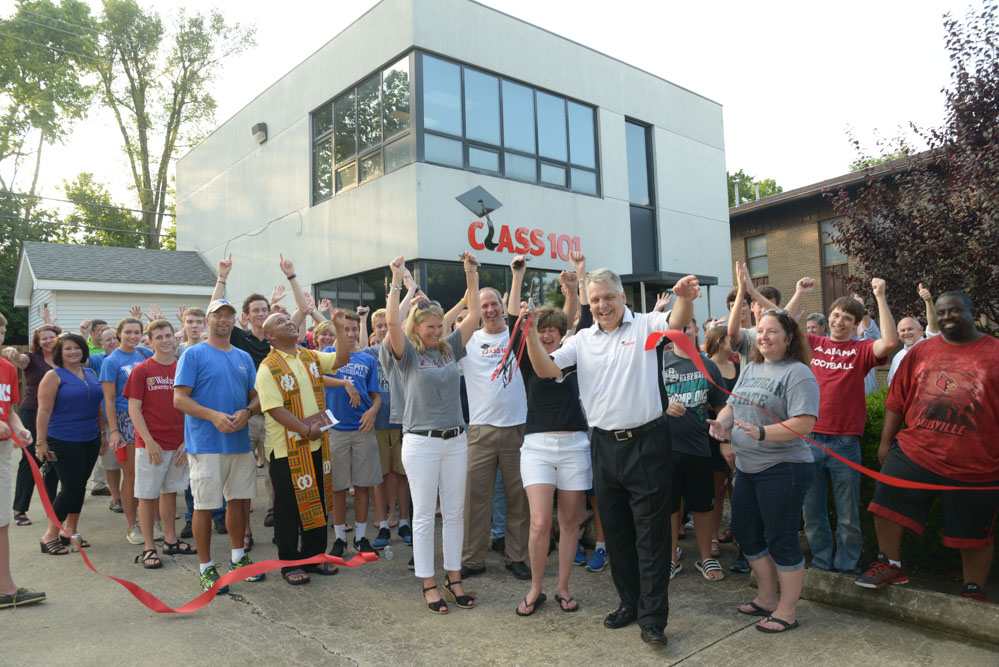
point(441, 96)
point(322, 120)
point(371, 166)
point(643, 240)
point(345, 124)
point(395, 98)
point(346, 177)
point(369, 114)
point(322, 166)
point(581, 137)
point(638, 165)
point(552, 174)
point(399, 153)
point(479, 158)
point(443, 151)
point(482, 108)
point(520, 167)
point(584, 181)
point(551, 127)
point(518, 117)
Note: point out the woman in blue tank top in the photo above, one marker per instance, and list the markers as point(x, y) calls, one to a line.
point(69, 435)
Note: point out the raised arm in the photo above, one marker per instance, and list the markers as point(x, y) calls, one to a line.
point(288, 269)
point(224, 267)
point(471, 321)
point(888, 342)
point(570, 290)
point(362, 336)
point(687, 289)
point(932, 324)
point(735, 315)
point(518, 266)
point(451, 316)
point(339, 320)
point(543, 365)
point(579, 264)
point(396, 336)
point(801, 288)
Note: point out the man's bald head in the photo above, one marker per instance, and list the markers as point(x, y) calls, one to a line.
point(910, 330)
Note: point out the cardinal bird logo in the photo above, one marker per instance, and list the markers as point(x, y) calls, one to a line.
point(945, 383)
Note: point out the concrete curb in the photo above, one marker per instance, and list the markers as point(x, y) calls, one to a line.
point(928, 609)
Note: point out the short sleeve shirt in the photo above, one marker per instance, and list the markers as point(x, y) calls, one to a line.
point(152, 383)
point(220, 380)
point(362, 372)
point(253, 346)
point(9, 391)
point(680, 381)
point(116, 368)
point(431, 385)
point(840, 367)
point(270, 398)
point(492, 402)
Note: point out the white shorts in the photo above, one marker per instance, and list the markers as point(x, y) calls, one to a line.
point(559, 459)
point(153, 480)
point(213, 476)
point(6, 482)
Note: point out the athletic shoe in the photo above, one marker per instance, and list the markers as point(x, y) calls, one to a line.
point(406, 533)
point(220, 526)
point(100, 491)
point(116, 507)
point(208, 579)
point(338, 548)
point(362, 546)
point(580, 559)
point(22, 597)
point(598, 561)
point(243, 562)
point(188, 532)
point(382, 539)
point(974, 592)
point(134, 535)
point(881, 573)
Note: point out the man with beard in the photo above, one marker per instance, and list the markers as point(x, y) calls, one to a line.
point(940, 427)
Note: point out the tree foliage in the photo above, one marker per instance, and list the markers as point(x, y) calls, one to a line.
point(96, 220)
point(935, 218)
point(13, 230)
point(745, 185)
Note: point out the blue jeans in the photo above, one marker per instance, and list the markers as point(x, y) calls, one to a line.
point(499, 508)
point(189, 514)
point(766, 513)
point(844, 555)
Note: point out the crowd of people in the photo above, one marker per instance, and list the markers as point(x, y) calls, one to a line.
point(500, 412)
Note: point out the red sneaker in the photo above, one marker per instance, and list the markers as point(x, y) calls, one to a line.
point(880, 574)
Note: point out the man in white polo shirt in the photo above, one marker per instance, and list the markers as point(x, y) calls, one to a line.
point(618, 388)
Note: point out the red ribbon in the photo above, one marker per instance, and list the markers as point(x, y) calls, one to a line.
point(680, 339)
point(154, 603)
point(523, 325)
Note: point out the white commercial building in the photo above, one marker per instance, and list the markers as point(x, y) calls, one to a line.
point(357, 156)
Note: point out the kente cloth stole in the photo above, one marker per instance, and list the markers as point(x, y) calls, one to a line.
point(303, 473)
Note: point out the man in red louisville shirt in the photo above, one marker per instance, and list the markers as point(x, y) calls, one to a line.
point(946, 392)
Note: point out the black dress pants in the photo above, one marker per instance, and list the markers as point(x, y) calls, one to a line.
point(287, 526)
point(632, 479)
point(24, 487)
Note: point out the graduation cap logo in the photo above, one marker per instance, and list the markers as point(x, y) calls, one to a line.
point(481, 204)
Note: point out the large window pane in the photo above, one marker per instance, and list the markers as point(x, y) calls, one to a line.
point(518, 117)
point(482, 108)
point(344, 125)
point(638, 166)
point(552, 174)
point(399, 153)
point(584, 181)
point(831, 252)
point(322, 120)
point(441, 96)
point(322, 167)
point(371, 166)
point(643, 240)
point(758, 266)
point(346, 177)
point(395, 98)
point(581, 138)
point(369, 114)
point(551, 127)
point(520, 167)
point(486, 160)
point(756, 246)
point(443, 151)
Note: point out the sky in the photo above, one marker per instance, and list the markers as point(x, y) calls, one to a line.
point(793, 77)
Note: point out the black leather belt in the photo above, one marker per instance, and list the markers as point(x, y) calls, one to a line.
point(626, 434)
point(443, 434)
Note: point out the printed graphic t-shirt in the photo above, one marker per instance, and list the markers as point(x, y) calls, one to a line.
point(152, 383)
point(491, 402)
point(840, 367)
point(362, 371)
point(680, 381)
point(9, 396)
point(117, 367)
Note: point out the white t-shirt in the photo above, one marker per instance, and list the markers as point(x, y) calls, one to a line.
point(896, 361)
point(490, 403)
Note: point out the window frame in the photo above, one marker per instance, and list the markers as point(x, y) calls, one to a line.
point(750, 257)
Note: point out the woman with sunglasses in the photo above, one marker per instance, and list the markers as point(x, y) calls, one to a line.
point(775, 400)
point(434, 446)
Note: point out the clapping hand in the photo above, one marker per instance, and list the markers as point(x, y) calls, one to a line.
point(688, 288)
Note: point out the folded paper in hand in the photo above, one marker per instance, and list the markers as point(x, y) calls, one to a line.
point(324, 419)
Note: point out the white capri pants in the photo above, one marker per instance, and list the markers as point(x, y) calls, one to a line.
point(435, 467)
point(561, 459)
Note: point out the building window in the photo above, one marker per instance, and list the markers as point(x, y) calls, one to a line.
point(756, 257)
point(363, 133)
point(502, 127)
point(835, 265)
point(644, 237)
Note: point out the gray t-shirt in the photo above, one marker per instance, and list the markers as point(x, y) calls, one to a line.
point(387, 360)
point(430, 386)
point(765, 394)
point(746, 343)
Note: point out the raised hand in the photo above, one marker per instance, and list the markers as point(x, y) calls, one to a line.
point(688, 288)
point(469, 262)
point(310, 303)
point(663, 301)
point(85, 327)
point(155, 312)
point(578, 261)
point(180, 313)
point(805, 284)
point(878, 287)
point(362, 311)
point(325, 305)
point(396, 266)
point(518, 264)
point(287, 268)
point(924, 293)
point(277, 294)
point(135, 311)
point(224, 267)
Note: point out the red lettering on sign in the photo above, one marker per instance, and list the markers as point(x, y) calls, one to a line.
point(537, 242)
point(523, 240)
point(505, 242)
point(472, 241)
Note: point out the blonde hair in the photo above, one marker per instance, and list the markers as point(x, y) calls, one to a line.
point(378, 313)
point(323, 327)
point(415, 318)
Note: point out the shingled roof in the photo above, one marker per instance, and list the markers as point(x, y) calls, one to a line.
point(106, 264)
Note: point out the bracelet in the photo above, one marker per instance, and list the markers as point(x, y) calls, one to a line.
point(763, 433)
point(292, 276)
point(395, 288)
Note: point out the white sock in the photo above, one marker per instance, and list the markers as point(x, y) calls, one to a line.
point(601, 545)
point(895, 563)
point(204, 566)
point(237, 554)
point(403, 522)
point(382, 524)
point(340, 529)
point(360, 528)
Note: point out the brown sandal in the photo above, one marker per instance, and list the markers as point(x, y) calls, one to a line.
point(54, 547)
point(149, 559)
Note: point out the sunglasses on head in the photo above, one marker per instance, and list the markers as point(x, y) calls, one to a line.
point(423, 305)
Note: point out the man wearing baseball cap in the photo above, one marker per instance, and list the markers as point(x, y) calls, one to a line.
point(214, 390)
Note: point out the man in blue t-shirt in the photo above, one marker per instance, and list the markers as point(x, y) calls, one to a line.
point(354, 447)
point(214, 390)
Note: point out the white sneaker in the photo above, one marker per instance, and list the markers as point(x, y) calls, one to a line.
point(134, 535)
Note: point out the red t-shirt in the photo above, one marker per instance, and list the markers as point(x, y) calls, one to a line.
point(948, 396)
point(9, 396)
point(840, 368)
point(152, 383)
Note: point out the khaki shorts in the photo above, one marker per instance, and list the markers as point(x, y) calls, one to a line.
point(6, 482)
point(153, 480)
point(355, 459)
point(213, 476)
point(390, 450)
point(258, 435)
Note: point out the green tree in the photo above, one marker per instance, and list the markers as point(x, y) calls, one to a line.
point(96, 220)
point(13, 230)
point(745, 185)
point(157, 86)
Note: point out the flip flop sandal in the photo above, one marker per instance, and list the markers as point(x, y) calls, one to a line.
point(21, 519)
point(757, 610)
point(178, 548)
point(674, 569)
point(150, 559)
point(538, 603)
point(564, 603)
point(296, 577)
point(707, 566)
point(784, 625)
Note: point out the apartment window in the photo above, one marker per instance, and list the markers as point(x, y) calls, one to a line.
point(756, 256)
point(831, 252)
point(644, 237)
point(479, 121)
point(363, 133)
point(835, 265)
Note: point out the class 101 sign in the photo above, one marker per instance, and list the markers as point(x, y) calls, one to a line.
point(482, 235)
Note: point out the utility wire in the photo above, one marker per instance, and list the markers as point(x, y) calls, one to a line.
point(79, 225)
point(49, 46)
point(82, 205)
point(22, 10)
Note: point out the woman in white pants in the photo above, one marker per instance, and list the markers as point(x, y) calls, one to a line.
point(434, 449)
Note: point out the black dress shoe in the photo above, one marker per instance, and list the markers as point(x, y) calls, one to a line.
point(498, 545)
point(519, 570)
point(653, 635)
point(467, 571)
point(619, 618)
